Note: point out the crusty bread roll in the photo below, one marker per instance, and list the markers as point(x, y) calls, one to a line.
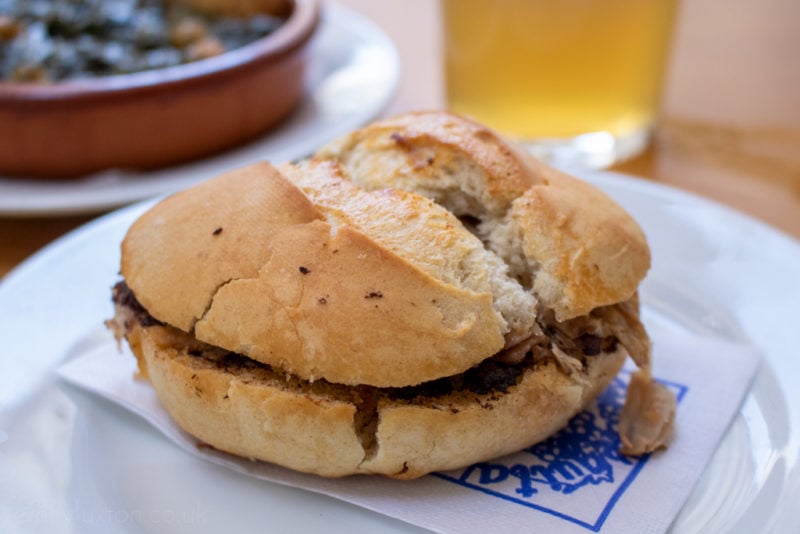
point(418, 296)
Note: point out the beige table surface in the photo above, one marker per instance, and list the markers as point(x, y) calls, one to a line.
point(730, 127)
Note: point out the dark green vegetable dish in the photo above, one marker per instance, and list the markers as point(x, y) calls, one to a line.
point(54, 40)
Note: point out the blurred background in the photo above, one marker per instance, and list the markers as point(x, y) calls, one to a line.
point(729, 127)
point(730, 120)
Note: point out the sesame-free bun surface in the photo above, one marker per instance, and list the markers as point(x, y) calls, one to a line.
point(247, 262)
point(408, 250)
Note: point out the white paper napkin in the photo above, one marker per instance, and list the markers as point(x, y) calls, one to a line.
point(575, 482)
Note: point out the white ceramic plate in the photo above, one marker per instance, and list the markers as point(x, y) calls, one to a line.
point(353, 73)
point(73, 463)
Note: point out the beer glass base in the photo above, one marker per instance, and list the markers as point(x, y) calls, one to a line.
point(593, 150)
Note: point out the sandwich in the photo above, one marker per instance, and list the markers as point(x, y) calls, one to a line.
point(418, 295)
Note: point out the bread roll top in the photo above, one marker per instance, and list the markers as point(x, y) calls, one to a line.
point(409, 250)
point(566, 241)
point(249, 263)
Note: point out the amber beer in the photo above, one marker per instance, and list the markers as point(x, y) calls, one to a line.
point(544, 69)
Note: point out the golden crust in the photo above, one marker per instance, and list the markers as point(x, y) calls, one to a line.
point(416, 439)
point(249, 415)
point(418, 151)
point(248, 263)
point(258, 415)
point(391, 325)
point(588, 250)
point(176, 255)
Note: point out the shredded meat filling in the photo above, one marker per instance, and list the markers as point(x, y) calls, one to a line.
point(647, 419)
point(123, 297)
point(493, 375)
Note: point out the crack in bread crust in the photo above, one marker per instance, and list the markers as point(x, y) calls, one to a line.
point(427, 234)
point(492, 375)
point(366, 421)
point(570, 244)
point(248, 409)
point(581, 339)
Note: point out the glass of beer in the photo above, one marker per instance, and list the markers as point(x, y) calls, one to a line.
point(576, 81)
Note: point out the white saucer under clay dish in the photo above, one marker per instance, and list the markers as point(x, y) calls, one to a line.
point(353, 74)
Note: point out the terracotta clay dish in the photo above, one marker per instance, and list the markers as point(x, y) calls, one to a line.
point(159, 117)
